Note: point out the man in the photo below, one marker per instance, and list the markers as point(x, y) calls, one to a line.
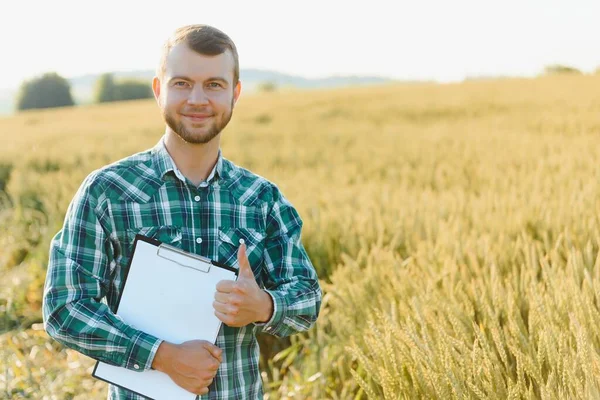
point(184, 193)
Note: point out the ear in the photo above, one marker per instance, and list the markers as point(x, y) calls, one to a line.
point(236, 91)
point(156, 89)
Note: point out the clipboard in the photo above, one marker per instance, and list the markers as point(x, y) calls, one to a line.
point(168, 293)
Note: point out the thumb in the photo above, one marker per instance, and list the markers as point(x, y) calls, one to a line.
point(245, 270)
point(213, 350)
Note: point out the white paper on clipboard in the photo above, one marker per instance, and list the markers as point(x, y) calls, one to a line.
point(169, 294)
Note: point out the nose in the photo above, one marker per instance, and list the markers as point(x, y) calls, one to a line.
point(197, 96)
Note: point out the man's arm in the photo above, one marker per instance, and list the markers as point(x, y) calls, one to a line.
point(290, 278)
point(76, 281)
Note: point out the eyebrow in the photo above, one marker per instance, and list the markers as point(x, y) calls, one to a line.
point(211, 79)
point(217, 78)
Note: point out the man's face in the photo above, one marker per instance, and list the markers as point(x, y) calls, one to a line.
point(196, 94)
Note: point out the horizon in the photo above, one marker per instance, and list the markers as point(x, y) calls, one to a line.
point(14, 89)
point(539, 73)
point(431, 40)
point(391, 79)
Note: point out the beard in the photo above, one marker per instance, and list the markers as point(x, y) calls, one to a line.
point(212, 130)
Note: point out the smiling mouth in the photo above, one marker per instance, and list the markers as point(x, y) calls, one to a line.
point(197, 117)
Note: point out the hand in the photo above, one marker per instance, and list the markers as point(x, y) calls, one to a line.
point(192, 365)
point(239, 303)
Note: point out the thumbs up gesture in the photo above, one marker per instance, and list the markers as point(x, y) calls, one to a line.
point(242, 302)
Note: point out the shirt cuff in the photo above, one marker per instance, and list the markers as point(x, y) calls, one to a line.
point(279, 309)
point(141, 351)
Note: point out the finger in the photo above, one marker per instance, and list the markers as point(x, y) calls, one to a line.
point(225, 286)
point(221, 307)
point(225, 318)
point(245, 270)
point(213, 368)
point(222, 297)
point(215, 351)
point(206, 383)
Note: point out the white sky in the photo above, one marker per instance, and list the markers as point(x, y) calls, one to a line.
point(441, 40)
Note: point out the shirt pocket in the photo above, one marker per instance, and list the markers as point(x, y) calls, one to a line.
point(229, 242)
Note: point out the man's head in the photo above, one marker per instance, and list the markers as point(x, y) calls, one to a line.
point(197, 82)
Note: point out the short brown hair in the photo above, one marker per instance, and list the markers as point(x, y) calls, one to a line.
point(203, 39)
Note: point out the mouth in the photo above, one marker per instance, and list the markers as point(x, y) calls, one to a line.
point(197, 117)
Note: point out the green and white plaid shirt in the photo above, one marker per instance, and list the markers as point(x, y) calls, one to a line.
point(146, 194)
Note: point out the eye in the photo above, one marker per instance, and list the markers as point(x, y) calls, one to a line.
point(180, 84)
point(215, 85)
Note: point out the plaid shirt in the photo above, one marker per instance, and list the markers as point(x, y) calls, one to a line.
point(146, 194)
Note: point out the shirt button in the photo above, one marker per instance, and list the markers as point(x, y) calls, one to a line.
point(197, 198)
point(199, 240)
point(136, 366)
point(242, 241)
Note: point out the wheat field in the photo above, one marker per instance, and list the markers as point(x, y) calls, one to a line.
point(455, 229)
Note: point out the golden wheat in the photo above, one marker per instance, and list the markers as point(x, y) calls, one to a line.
point(455, 229)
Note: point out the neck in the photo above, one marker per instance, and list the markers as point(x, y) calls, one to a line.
point(195, 161)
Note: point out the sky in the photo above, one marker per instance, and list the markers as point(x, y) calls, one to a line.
point(439, 40)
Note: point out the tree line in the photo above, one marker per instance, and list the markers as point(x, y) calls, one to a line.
point(52, 90)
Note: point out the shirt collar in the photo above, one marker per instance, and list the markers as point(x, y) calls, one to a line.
point(164, 163)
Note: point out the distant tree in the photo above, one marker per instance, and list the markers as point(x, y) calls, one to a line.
point(558, 69)
point(47, 91)
point(109, 90)
point(267, 86)
point(133, 90)
point(106, 90)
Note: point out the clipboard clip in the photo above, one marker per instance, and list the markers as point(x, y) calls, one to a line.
point(183, 258)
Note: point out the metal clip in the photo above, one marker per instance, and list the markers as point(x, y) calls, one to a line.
point(183, 258)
